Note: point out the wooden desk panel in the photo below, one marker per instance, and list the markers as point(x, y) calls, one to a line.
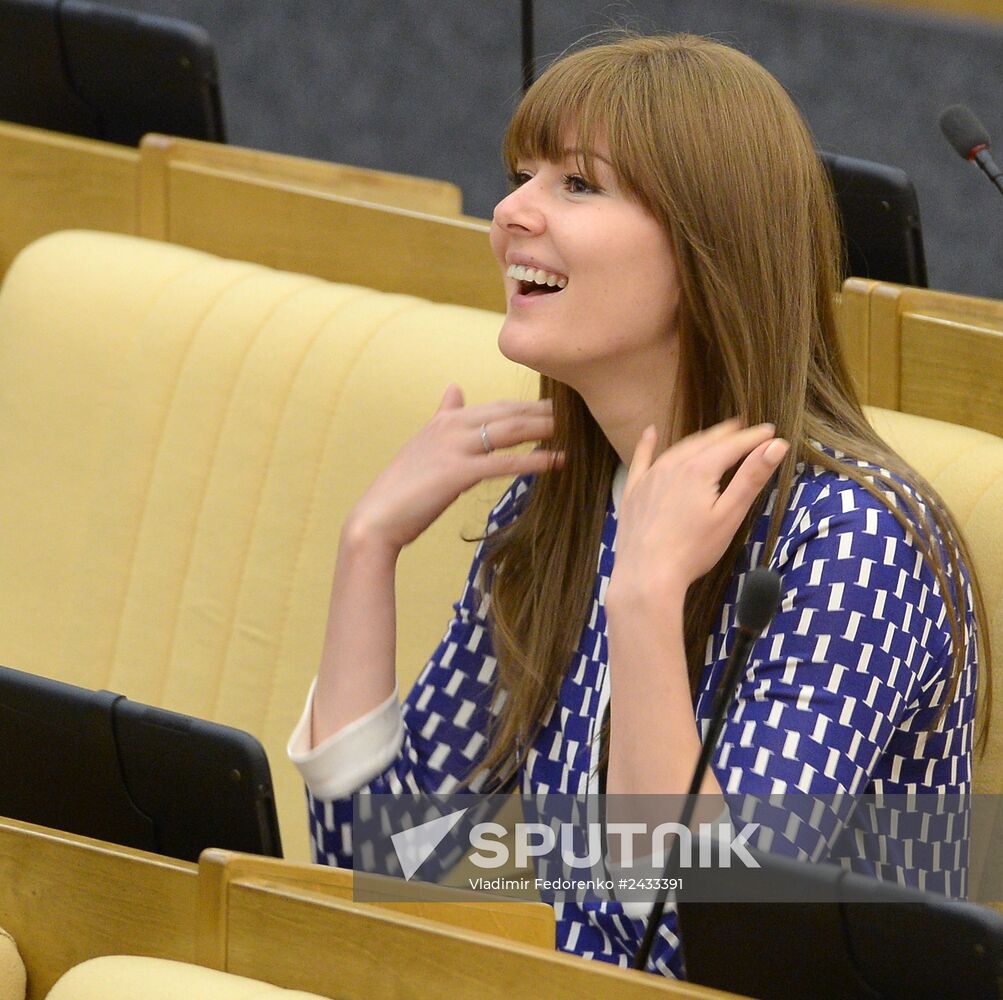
point(381, 953)
point(952, 371)
point(934, 354)
point(52, 181)
point(66, 899)
point(853, 324)
point(527, 923)
point(160, 153)
point(339, 239)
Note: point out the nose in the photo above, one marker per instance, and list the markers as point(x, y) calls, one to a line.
point(521, 211)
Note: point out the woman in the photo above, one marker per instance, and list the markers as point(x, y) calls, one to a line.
point(671, 255)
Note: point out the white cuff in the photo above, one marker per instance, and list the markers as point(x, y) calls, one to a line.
point(352, 757)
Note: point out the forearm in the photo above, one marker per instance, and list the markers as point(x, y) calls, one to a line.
point(654, 742)
point(357, 669)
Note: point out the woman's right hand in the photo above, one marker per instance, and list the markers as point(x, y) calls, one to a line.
point(446, 458)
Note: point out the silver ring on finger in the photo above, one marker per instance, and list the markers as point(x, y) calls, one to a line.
point(485, 440)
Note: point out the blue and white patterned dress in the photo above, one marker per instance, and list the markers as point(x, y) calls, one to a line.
point(839, 696)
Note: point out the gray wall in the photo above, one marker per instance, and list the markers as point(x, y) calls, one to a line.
point(426, 86)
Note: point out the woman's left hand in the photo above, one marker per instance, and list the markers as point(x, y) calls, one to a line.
point(675, 523)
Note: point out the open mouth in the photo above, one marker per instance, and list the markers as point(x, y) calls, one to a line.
point(535, 281)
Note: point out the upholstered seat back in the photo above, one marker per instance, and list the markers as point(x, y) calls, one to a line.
point(965, 466)
point(180, 439)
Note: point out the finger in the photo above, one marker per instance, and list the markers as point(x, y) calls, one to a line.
point(516, 463)
point(750, 478)
point(452, 398)
point(698, 440)
point(501, 409)
point(725, 451)
point(511, 431)
point(644, 451)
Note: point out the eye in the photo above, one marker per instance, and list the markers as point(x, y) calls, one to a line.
point(577, 184)
point(518, 177)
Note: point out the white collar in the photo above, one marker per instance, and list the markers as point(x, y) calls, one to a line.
point(619, 482)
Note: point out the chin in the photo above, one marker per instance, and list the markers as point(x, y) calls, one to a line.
point(518, 346)
point(527, 354)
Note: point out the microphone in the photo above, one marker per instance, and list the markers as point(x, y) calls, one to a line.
point(968, 136)
point(756, 607)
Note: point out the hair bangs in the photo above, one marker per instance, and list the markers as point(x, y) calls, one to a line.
point(575, 104)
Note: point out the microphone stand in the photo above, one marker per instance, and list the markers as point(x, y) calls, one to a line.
point(984, 160)
point(760, 596)
point(527, 44)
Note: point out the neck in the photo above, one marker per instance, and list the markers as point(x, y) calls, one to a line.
point(624, 409)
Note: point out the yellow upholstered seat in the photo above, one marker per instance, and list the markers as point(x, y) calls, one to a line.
point(12, 974)
point(966, 467)
point(129, 977)
point(181, 437)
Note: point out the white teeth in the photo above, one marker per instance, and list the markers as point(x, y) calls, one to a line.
point(536, 275)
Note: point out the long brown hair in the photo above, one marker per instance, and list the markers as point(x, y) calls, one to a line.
point(709, 143)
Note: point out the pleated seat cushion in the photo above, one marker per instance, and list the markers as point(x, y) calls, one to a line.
point(181, 438)
point(129, 977)
point(12, 975)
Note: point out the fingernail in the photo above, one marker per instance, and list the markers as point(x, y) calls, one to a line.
point(776, 450)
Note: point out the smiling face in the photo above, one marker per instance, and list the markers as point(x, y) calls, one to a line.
point(590, 276)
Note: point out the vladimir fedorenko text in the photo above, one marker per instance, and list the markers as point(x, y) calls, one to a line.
point(573, 884)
